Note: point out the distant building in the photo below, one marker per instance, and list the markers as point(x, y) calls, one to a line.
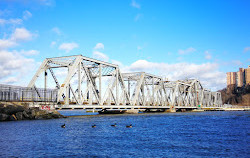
point(240, 78)
point(231, 78)
point(247, 75)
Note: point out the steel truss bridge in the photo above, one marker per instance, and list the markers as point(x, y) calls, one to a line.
point(90, 83)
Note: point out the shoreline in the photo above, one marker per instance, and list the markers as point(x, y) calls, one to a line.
point(16, 112)
point(11, 111)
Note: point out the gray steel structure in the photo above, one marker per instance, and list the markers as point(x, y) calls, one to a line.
point(101, 84)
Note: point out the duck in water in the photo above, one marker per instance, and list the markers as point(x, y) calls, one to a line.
point(129, 126)
point(63, 126)
point(114, 125)
point(93, 126)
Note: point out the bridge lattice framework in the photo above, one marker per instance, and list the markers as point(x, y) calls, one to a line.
point(91, 82)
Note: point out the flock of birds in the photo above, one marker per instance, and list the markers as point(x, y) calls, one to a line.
point(93, 126)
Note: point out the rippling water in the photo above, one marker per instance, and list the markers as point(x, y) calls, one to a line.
point(194, 134)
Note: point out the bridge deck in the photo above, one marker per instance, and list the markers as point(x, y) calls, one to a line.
point(125, 107)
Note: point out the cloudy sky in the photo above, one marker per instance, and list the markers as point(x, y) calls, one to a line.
point(174, 39)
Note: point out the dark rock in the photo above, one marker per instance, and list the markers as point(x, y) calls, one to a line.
point(38, 117)
point(27, 110)
point(56, 116)
point(11, 109)
point(4, 117)
point(19, 115)
point(48, 116)
point(2, 110)
point(17, 112)
point(25, 114)
point(32, 114)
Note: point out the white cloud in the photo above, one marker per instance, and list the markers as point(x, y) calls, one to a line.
point(29, 52)
point(100, 56)
point(56, 30)
point(207, 73)
point(13, 63)
point(11, 21)
point(117, 63)
point(247, 49)
point(99, 46)
point(186, 51)
point(10, 80)
point(137, 17)
point(26, 15)
point(6, 43)
point(135, 4)
point(52, 44)
point(21, 34)
point(68, 46)
point(14, 66)
point(208, 55)
point(62, 73)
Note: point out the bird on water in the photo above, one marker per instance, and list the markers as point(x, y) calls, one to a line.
point(63, 126)
point(93, 126)
point(129, 126)
point(114, 125)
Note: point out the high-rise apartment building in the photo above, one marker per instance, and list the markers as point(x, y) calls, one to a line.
point(240, 78)
point(231, 78)
point(247, 75)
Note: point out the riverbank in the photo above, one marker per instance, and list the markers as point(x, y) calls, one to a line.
point(14, 112)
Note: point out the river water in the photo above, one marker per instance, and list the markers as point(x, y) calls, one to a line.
point(190, 134)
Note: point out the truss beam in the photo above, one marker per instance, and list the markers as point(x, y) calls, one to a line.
point(93, 82)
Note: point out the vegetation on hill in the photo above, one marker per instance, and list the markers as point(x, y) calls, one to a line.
point(236, 96)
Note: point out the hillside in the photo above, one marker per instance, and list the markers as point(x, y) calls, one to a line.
point(236, 96)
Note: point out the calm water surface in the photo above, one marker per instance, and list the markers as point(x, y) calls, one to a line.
point(196, 134)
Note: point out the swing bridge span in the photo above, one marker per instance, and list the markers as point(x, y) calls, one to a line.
point(93, 84)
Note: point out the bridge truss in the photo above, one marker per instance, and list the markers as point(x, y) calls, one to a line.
point(90, 82)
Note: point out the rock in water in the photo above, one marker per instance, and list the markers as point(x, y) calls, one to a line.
point(4, 117)
point(33, 114)
point(2, 107)
point(19, 115)
point(25, 114)
point(55, 116)
point(22, 112)
point(12, 109)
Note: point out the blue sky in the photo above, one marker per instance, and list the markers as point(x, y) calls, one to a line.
point(175, 39)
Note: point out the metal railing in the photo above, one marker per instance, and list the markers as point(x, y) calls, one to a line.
point(26, 94)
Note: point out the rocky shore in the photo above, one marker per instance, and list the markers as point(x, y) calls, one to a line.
point(14, 112)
